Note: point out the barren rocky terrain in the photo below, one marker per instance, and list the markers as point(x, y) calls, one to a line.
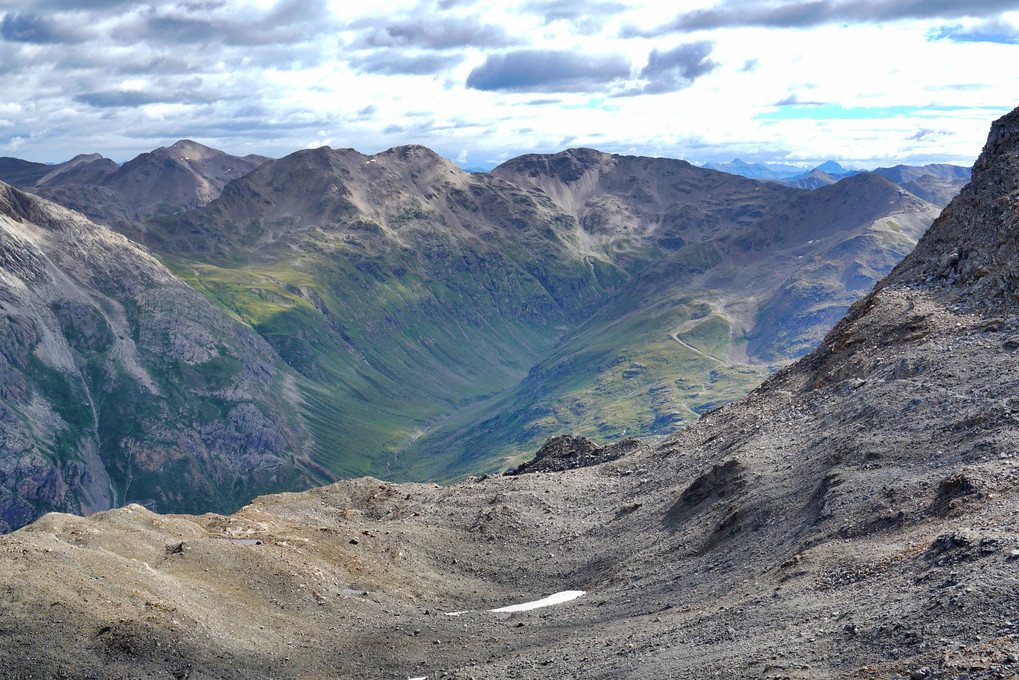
point(854, 517)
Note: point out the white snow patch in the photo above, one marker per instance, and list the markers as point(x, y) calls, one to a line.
point(557, 598)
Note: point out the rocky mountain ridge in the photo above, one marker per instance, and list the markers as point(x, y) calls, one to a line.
point(937, 183)
point(169, 179)
point(527, 252)
point(853, 517)
point(704, 324)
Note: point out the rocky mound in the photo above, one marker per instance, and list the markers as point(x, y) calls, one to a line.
point(567, 452)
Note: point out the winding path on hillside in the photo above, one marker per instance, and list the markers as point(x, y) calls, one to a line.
point(684, 344)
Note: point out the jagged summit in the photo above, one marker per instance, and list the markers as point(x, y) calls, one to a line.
point(183, 175)
point(974, 244)
point(411, 151)
point(1002, 140)
point(568, 166)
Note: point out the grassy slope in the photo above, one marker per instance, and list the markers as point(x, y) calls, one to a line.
point(690, 333)
point(387, 345)
point(448, 327)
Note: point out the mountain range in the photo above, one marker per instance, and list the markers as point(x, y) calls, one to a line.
point(166, 180)
point(405, 319)
point(936, 183)
point(852, 517)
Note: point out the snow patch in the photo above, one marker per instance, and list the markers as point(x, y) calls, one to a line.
point(557, 598)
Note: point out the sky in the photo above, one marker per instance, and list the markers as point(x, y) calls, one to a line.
point(863, 82)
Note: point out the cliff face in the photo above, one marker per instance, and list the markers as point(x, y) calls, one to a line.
point(120, 383)
point(853, 517)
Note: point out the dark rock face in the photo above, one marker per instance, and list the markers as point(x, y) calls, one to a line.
point(118, 383)
point(567, 452)
point(973, 246)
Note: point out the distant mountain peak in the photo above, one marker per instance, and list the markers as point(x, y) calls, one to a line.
point(188, 149)
point(86, 158)
point(832, 168)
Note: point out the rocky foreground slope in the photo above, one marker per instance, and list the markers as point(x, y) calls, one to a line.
point(854, 517)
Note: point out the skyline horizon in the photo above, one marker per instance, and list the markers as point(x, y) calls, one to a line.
point(867, 83)
point(716, 159)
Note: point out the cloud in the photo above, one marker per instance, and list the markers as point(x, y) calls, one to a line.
point(386, 62)
point(770, 14)
point(111, 99)
point(548, 71)
point(571, 10)
point(367, 112)
point(678, 67)
point(926, 133)
point(68, 5)
point(429, 32)
point(586, 16)
point(265, 76)
point(675, 69)
point(994, 31)
point(161, 65)
point(959, 87)
point(32, 28)
point(794, 100)
point(286, 22)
